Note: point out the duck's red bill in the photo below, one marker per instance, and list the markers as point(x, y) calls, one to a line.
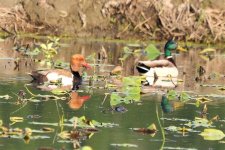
point(86, 65)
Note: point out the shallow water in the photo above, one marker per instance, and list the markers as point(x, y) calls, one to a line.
point(139, 115)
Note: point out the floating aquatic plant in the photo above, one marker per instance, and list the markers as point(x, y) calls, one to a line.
point(6, 97)
point(83, 122)
point(199, 122)
point(124, 145)
point(26, 134)
point(174, 95)
point(212, 134)
point(151, 130)
point(16, 120)
point(131, 89)
point(183, 130)
point(152, 52)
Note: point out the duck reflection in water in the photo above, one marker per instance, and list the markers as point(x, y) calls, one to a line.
point(76, 101)
point(168, 106)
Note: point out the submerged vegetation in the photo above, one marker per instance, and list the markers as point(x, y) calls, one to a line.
point(115, 106)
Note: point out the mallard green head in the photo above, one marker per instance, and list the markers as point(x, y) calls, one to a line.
point(170, 45)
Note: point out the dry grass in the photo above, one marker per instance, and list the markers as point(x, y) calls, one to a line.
point(13, 20)
point(152, 19)
point(184, 21)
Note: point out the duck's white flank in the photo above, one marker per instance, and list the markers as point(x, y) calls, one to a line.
point(54, 77)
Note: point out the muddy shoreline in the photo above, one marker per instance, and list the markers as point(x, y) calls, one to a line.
point(194, 20)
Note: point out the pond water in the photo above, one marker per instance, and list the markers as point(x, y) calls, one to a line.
point(14, 77)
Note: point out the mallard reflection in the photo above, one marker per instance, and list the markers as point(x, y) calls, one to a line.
point(166, 105)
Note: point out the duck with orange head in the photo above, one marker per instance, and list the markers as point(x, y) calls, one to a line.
point(67, 78)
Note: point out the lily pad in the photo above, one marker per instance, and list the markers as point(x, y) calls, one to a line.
point(171, 95)
point(152, 52)
point(212, 134)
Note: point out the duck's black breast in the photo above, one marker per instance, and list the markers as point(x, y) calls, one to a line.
point(77, 80)
point(172, 61)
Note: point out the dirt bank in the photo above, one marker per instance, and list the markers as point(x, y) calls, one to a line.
point(194, 20)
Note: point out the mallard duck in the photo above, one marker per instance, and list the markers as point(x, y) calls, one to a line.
point(165, 67)
point(70, 77)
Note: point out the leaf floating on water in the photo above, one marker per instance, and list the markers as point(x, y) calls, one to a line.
point(86, 148)
point(152, 127)
point(115, 99)
point(216, 118)
point(6, 97)
point(124, 145)
point(152, 52)
point(59, 92)
point(207, 50)
point(212, 134)
point(33, 116)
point(184, 97)
point(203, 100)
point(171, 95)
point(44, 123)
point(222, 88)
point(82, 122)
point(199, 122)
point(91, 124)
point(16, 119)
point(149, 130)
point(48, 130)
point(204, 110)
point(105, 125)
point(176, 119)
point(64, 135)
point(132, 81)
point(197, 103)
point(179, 148)
point(179, 129)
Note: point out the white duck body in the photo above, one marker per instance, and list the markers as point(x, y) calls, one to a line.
point(158, 71)
point(64, 80)
point(162, 76)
